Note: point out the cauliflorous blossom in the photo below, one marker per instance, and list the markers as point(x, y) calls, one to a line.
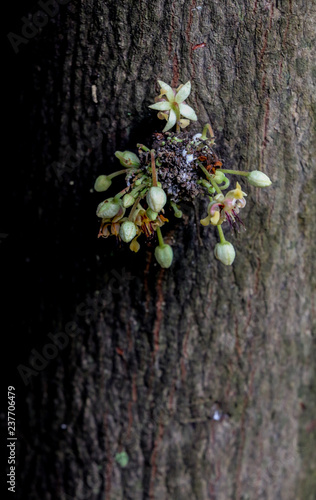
point(225, 208)
point(171, 106)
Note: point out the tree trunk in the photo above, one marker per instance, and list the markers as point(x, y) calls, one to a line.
point(198, 381)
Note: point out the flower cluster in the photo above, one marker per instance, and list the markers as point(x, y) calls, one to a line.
point(179, 167)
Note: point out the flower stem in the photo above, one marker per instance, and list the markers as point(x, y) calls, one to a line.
point(120, 172)
point(221, 234)
point(130, 217)
point(141, 146)
point(216, 187)
point(177, 112)
point(153, 167)
point(121, 193)
point(207, 174)
point(235, 172)
point(160, 238)
point(207, 128)
point(210, 178)
point(136, 189)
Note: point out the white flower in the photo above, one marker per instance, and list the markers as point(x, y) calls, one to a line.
point(171, 105)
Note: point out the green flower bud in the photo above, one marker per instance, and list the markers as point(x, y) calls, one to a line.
point(128, 200)
point(204, 183)
point(156, 198)
point(127, 231)
point(219, 177)
point(177, 211)
point(151, 214)
point(258, 179)
point(164, 255)
point(102, 183)
point(225, 252)
point(108, 208)
point(127, 158)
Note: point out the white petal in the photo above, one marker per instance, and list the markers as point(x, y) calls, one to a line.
point(167, 90)
point(171, 122)
point(161, 106)
point(187, 112)
point(183, 93)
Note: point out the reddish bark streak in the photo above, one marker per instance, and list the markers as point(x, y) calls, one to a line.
point(153, 461)
point(171, 395)
point(170, 45)
point(188, 36)
point(184, 355)
point(130, 418)
point(176, 72)
point(243, 426)
point(265, 127)
point(146, 286)
point(266, 33)
point(159, 314)
point(237, 343)
point(285, 38)
point(134, 388)
point(109, 464)
point(129, 336)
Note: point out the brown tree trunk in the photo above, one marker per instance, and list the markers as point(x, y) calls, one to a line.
point(203, 375)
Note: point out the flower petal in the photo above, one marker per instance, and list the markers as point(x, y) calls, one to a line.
point(187, 112)
point(215, 218)
point(163, 116)
point(183, 93)
point(166, 90)
point(161, 106)
point(171, 122)
point(134, 246)
point(184, 123)
point(206, 221)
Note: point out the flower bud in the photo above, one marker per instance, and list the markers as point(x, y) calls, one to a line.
point(102, 183)
point(219, 177)
point(108, 208)
point(127, 231)
point(225, 252)
point(258, 179)
point(164, 255)
point(128, 200)
point(156, 198)
point(151, 214)
point(127, 158)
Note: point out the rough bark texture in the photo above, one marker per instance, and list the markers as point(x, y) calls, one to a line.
point(155, 356)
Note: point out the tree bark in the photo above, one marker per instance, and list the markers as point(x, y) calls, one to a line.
point(203, 375)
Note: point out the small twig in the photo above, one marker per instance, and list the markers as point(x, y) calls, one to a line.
point(153, 167)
